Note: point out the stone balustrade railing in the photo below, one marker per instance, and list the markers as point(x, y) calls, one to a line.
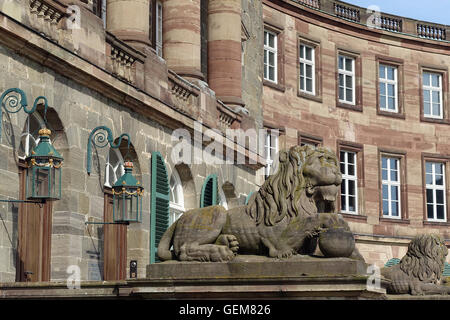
point(122, 59)
point(378, 20)
point(346, 12)
point(431, 32)
point(49, 11)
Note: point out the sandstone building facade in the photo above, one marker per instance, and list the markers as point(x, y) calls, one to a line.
point(371, 86)
point(374, 88)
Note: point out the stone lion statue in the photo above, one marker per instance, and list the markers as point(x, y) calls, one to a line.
point(282, 219)
point(420, 270)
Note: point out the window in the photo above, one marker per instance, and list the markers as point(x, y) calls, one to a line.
point(347, 80)
point(156, 26)
point(210, 190)
point(307, 69)
point(390, 176)
point(388, 91)
point(29, 137)
point(270, 56)
point(271, 152)
point(114, 167)
point(435, 191)
point(176, 203)
point(159, 27)
point(349, 186)
point(432, 95)
point(305, 139)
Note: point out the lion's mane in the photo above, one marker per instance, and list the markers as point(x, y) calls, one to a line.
point(279, 196)
point(425, 258)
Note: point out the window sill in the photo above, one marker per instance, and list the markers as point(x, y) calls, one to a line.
point(391, 114)
point(355, 217)
point(393, 220)
point(432, 120)
point(436, 224)
point(349, 106)
point(275, 86)
point(308, 96)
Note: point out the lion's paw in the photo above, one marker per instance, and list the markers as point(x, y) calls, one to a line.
point(228, 240)
point(285, 254)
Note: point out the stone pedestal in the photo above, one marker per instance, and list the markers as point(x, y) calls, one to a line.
point(251, 278)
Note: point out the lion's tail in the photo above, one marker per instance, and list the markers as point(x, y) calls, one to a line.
point(164, 252)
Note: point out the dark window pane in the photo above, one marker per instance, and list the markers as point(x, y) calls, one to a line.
point(394, 208)
point(440, 196)
point(429, 195)
point(385, 207)
point(385, 192)
point(343, 203)
point(430, 213)
point(394, 193)
point(351, 204)
point(351, 169)
point(440, 212)
point(351, 187)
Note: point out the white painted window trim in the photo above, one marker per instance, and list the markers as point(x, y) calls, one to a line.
point(346, 178)
point(274, 50)
point(385, 81)
point(347, 73)
point(431, 89)
point(311, 63)
point(118, 168)
point(176, 209)
point(268, 146)
point(436, 187)
point(391, 183)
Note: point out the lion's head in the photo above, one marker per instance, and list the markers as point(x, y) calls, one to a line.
point(306, 182)
point(425, 259)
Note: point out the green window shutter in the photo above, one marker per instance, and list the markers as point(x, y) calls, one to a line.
point(248, 197)
point(392, 262)
point(209, 196)
point(160, 197)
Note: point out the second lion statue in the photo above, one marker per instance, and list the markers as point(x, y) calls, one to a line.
point(282, 219)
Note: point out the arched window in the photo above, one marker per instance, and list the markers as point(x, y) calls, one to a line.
point(209, 195)
point(176, 203)
point(114, 167)
point(30, 137)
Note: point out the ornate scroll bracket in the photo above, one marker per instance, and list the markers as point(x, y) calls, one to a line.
point(14, 99)
point(101, 137)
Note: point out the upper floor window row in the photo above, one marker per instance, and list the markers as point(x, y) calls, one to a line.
point(389, 72)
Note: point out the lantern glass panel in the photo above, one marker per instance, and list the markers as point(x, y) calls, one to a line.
point(126, 207)
point(39, 182)
point(56, 183)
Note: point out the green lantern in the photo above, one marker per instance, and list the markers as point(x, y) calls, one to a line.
point(44, 170)
point(127, 197)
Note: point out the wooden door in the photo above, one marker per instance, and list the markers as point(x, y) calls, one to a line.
point(34, 237)
point(115, 244)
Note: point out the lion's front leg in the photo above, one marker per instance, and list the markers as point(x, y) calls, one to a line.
point(205, 252)
point(292, 238)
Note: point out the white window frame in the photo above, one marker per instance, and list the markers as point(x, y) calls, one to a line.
point(268, 146)
point(390, 184)
point(346, 177)
point(159, 27)
point(434, 187)
point(386, 82)
point(176, 208)
point(118, 168)
point(273, 50)
point(346, 73)
point(432, 89)
point(303, 63)
point(27, 139)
